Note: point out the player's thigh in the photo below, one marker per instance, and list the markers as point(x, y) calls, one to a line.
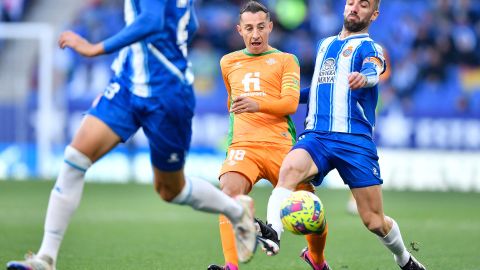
point(356, 160)
point(109, 121)
point(297, 167)
point(94, 138)
point(244, 160)
point(308, 161)
point(167, 123)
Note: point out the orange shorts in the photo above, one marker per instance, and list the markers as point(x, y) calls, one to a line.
point(256, 161)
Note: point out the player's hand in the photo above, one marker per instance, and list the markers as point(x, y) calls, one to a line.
point(244, 105)
point(79, 44)
point(356, 80)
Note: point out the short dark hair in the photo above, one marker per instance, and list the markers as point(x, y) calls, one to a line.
point(377, 4)
point(254, 7)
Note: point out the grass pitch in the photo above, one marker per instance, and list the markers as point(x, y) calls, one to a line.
point(127, 226)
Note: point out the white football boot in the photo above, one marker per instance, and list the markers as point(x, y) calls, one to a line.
point(245, 231)
point(32, 262)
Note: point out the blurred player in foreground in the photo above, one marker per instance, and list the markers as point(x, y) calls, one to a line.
point(339, 123)
point(151, 89)
point(263, 90)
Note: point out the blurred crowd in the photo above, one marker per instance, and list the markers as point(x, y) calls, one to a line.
point(433, 49)
point(13, 10)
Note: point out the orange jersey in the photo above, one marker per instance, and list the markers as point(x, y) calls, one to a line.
point(266, 78)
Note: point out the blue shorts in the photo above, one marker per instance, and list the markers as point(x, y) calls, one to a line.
point(354, 156)
point(166, 120)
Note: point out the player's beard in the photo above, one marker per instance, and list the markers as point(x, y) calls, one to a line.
point(354, 27)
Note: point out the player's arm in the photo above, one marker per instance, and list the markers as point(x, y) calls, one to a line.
point(286, 105)
point(369, 75)
point(150, 20)
point(373, 66)
point(290, 92)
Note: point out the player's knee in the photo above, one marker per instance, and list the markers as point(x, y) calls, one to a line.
point(161, 189)
point(373, 223)
point(167, 189)
point(234, 184)
point(76, 159)
point(290, 175)
point(165, 192)
point(231, 191)
point(69, 183)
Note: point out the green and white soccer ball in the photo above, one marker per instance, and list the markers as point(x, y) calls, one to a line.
point(303, 213)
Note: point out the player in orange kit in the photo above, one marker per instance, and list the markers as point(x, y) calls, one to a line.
point(263, 87)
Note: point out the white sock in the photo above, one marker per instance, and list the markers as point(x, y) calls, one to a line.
point(394, 242)
point(279, 194)
point(202, 195)
point(64, 200)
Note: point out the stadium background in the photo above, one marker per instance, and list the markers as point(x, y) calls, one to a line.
point(428, 133)
point(428, 127)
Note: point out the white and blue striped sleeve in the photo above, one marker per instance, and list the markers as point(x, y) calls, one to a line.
point(373, 63)
point(151, 19)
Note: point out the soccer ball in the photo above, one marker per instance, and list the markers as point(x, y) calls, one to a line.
point(303, 213)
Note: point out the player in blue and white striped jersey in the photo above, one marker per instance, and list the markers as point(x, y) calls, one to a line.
point(333, 106)
point(151, 89)
point(338, 134)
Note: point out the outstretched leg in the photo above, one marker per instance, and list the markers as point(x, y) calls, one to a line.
point(370, 209)
point(93, 140)
point(201, 195)
point(297, 167)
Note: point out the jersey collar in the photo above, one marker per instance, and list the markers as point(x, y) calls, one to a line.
point(273, 50)
point(363, 35)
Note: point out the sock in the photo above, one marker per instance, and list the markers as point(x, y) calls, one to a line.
point(228, 241)
point(316, 245)
point(279, 194)
point(64, 200)
point(394, 242)
point(202, 195)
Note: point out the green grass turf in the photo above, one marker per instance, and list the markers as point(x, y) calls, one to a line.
point(128, 227)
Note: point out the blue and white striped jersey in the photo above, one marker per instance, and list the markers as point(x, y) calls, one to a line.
point(153, 45)
point(332, 105)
